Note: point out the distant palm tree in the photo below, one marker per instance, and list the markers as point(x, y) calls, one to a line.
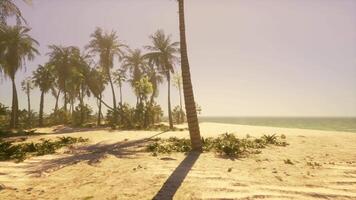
point(107, 45)
point(43, 78)
point(190, 108)
point(63, 60)
point(156, 79)
point(27, 85)
point(163, 53)
point(177, 82)
point(16, 45)
point(9, 9)
point(119, 79)
point(96, 82)
point(136, 64)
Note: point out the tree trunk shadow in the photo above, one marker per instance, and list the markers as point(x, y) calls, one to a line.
point(175, 180)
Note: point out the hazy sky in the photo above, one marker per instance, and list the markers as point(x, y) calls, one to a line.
point(248, 57)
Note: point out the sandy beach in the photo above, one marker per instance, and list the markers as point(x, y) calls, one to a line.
point(114, 165)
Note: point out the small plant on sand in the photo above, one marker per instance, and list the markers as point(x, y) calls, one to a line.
point(227, 145)
point(288, 162)
point(19, 152)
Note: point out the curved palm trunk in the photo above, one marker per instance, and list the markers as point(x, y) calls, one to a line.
point(15, 106)
point(169, 101)
point(40, 119)
point(192, 118)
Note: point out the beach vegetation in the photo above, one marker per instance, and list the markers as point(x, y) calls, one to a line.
point(226, 145)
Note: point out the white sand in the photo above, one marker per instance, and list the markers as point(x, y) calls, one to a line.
point(111, 168)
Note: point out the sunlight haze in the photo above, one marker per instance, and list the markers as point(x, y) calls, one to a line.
point(247, 58)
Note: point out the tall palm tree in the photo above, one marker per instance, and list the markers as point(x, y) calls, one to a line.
point(107, 45)
point(163, 55)
point(136, 64)
point(43, 78)
point(16, 46)
point(9, 9)
point(63, 60)
point(27, 85)
point(190, 108)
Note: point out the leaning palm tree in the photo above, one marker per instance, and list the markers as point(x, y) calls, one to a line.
point(107, 45)
point(136, 64)
point(9, 9)
point(190, 108)
point(16, 45)
point(43, 78)
point(163, 53)
point(27, 85)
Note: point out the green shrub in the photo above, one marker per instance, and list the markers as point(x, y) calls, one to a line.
point(224, 145)
point(19, 152)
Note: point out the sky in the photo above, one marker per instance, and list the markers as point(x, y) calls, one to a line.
point(247, 57)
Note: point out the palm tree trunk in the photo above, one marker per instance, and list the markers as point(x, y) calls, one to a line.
point(120, 86)
point(169, 100)
point(81, 96)
point(57, 97)
point(190, 108)
point(65, 96)
point(181, 116)
point(40, 120)
point(29, 104)
point(113, 99)
point(99, 112)
point(15, 105)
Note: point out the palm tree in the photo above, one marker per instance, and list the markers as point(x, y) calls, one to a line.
point(9, 9)
point(107, 45)
point(177, 82)
point(190, 108)
point(136, 64)
point(119, 79)
point(96, 83)
point(43, 78)
point(155, 78)
point(27, 86)
point(16, 46)
point(163, 55)
point(63, 60)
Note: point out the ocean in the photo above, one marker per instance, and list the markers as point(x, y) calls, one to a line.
point(317, 123)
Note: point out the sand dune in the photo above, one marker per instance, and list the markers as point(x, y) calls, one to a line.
point(113, 165)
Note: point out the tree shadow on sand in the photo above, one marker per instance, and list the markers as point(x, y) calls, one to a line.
point(91, 154)
point(175, 180)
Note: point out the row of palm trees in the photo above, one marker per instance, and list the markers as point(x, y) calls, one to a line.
point(74, 76)
point(69, 71)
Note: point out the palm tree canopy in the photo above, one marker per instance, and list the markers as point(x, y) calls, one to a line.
point(27, 84)
point(43, 77)
point(16, 45)
point(9, 9)
point(107, 45)
point(163, 52)
point(136, 63)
